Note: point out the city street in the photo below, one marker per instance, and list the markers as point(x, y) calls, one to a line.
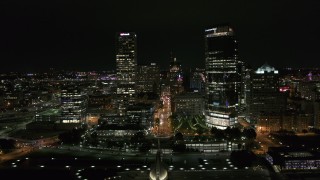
point(265, 142)
point(262, 138)
point(163, 113)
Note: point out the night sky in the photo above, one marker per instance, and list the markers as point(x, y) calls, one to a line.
point(80, 35)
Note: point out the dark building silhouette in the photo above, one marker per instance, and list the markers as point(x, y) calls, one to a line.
point(175, 77)
point(148, 79)
point(265, 94)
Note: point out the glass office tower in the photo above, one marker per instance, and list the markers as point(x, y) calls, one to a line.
point(223, 76)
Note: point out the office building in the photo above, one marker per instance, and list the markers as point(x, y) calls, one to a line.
point(223, 76)
point(73, 106)
point(126, 64)
point(50, 115)
point(190, 104)
point(175, 76)
point(285, 159)
point(141, 114)
point(148, 79)
point(246, 89)
point(265, 94)
point(289, 121)
point(197, 80)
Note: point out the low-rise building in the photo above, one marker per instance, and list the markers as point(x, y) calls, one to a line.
point(141, 114)
point(290, 121)
point(107, 131)
point(293, 159)
point(51, 115)
point(189, 104)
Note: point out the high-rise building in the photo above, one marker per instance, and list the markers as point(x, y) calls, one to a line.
point(223, 76)
point(73, 106)
point(197, 80)
point(265, 94)
point(126, 64)
point(175, 76)
point(148, 79)
point(246, 90)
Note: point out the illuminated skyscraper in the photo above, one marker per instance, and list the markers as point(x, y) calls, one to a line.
point(126, 64)
point(223, 76)
point(126, 56)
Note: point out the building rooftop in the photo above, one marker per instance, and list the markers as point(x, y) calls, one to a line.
point(266, 68)
point(292, 153)
point(120, 127)
point(189, 95)
point(50, 112)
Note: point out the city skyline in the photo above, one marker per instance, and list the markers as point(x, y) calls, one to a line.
point(159, 90)
point(81, 35)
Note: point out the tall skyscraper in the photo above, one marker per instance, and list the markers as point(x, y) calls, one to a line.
point(265, 94)
point(126, 64)
point(223, 76)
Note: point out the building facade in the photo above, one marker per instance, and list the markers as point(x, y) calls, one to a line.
point(265, 94)
point(197, 80)
point(141, 114)
point(223, 76)
point(73, 106)
point(126, 66)
point(148, 79)
point(190, 104)
point(175, 76)
point(293, 159)
point(289, 121)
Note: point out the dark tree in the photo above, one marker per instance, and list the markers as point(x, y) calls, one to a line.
point(178, 136)
point(145, 147)
point(220, 135)
point(214, 130)
point(6, 145)
point(242, 158)
point(94, 139)
point(235, 133)
point(228, 133)
point(179, 147)
point(138, 139)
point(304, 131)
point(250, 133)
point(200, 130)
point(71, 137)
